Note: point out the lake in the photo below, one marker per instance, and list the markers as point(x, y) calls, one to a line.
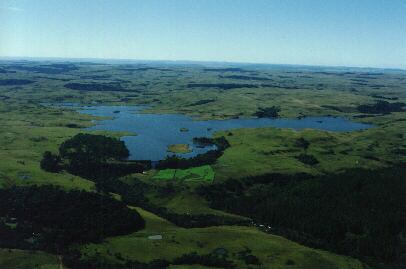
point(156, 131)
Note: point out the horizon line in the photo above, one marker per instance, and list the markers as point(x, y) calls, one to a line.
point(56, 58)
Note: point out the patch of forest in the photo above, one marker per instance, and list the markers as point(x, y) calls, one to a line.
point(94, 157)
point(57, 68)
point(246, 78)
point(96, 77)
point(74, 259)
point(223, 86)
point(267, 112)
point(13, 82)
point(382, 107)
point(51, 219)
point(280, 86)
point(358, 212)
point(384, 97)
point(202, 102)
point(332, 108)
point(230, 69)
point(112, 87)
point(4, 71)
point(145, 69)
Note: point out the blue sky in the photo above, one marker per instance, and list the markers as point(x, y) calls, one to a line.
point(313, 32)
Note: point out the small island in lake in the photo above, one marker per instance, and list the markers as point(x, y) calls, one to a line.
point(179, 148)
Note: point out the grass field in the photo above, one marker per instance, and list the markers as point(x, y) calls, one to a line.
point(202, 173)
point(273, 251)
point(25, 259)
point(26, 131)
point(259, 151)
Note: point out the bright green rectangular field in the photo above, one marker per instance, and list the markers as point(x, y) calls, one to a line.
point(201, 173)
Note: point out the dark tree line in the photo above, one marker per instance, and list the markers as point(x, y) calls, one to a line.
point(74, 259)
point(51, 162)
point(228, 69)
point(209, 260)
point(51, 219)
point(307, 159)
point(382, 107)
point(112, 87)
point(222, 86)
point(13, 82)
point(268, 112)
point(359, 212)
point(95, 157)
point(46, 69)
point(246, 77)
point(202, 102)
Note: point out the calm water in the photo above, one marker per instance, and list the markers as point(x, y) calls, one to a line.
point(156, 131)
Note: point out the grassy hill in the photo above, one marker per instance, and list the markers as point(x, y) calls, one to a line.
point(25, 259)
point(272, 251)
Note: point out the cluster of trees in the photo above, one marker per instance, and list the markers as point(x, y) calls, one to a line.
point(227, 69)
point(209, 260)
point(209, 157)
point(202, 102)
point(51, 219)
point(247, 256)
point(113, 87)
point(268, 112)
point(281, 86)
point(302, 143)
point(13, 82)
point(220, 142)
point(4, 71)
point(304, 157)
point(307, 159)
point(95, 157)
point(247, 78)
point(359, 212)
point(145, 69)
point(51, 162)
point(223, 86)
point(74, 259)
point(385, 97)
point(46, 68)
point(196, 221)
point(382, 107)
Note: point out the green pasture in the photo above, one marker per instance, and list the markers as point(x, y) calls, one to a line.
point(203, 173)
point(273, 251)
point(26, 259)
point(259, 151)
